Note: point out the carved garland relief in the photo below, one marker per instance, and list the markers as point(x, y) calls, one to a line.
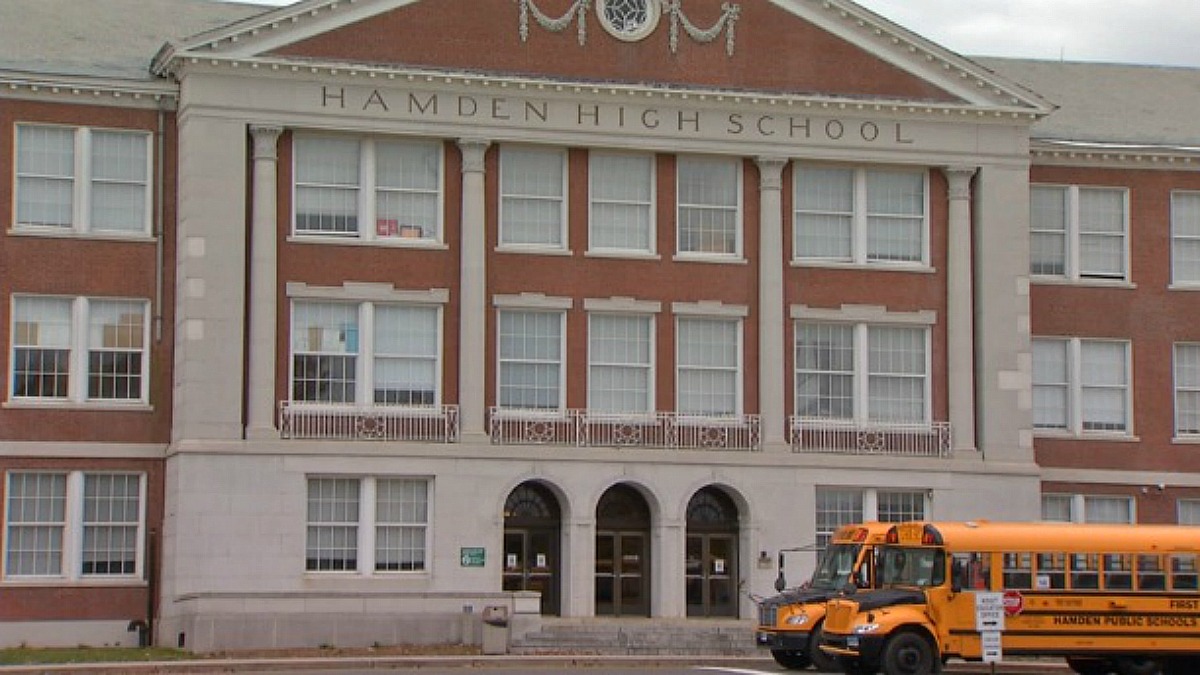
point(632, 20)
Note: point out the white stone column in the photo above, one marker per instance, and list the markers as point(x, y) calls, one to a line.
point(960, 320)
point(771, 328)
point(472, 317)
point(668, 581)
point(260, 383)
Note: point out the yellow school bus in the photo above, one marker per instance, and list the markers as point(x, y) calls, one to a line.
point(789, 624)
point(1108, 598)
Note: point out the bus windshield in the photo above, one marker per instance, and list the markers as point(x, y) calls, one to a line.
point(835, 568)
point(921, 567)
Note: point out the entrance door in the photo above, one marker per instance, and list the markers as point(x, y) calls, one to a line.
point(711, 573)
point(622, 587)
point(531, 544)
point(622, 553)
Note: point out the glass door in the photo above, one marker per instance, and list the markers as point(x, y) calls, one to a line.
point(711, 574)
point(622, 566)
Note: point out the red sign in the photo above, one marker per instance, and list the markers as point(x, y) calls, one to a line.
point(1014, 602)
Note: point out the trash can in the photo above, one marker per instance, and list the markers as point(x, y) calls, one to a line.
point(495, 629)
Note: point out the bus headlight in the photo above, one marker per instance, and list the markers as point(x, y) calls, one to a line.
point(797, 620)
point(864, 628)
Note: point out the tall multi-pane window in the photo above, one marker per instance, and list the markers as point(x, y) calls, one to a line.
point(106, 193)
point(853, 371)
point(620, 363)
point(395, 360)
point(621, 216)
point(900, 506)
point(531, 360)
point(1079, 232)
point(74, 525)
point(837, 506)
point(1189, 511)
point(860, 215)
point(709, 362)
point(1058, 508)
point(80, 349)
point(1081, 386)
point(372, 188)
point(533, 201)
point(1185, 237)
point(709, 206)
point(385, 517)
point(1187, 389)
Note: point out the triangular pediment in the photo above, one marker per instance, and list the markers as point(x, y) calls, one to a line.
point(808, 48)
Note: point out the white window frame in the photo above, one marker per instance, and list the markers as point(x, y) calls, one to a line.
point(860, 218)
point(646, 248)
point(738, 370)
point(1075, 424)
point(73, 527)
point(83, 181)
point(1188, 511)
point(738, 208)
point(867, 508)
point(561, 362)
point(1073, 235)
point(365, 351)
point(368, 192)
point(507, 152)
point(648, 367)
point(1186, 388)
point(367, 526)
point(1181, 238)
point(80, 348)
point(862, 372)
point(1078, 505)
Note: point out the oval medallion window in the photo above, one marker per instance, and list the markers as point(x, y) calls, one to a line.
point(629, 20)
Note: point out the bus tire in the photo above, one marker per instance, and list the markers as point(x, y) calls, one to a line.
point(824, 663)
point(1137, 665)
point(1086, 666)
point(790, 658)
point(909, 653)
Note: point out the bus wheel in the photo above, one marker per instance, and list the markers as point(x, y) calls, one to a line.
point(909, 654)
point(790, 658)
point(1137, 665)
point(1085, 666)
point(823, 662)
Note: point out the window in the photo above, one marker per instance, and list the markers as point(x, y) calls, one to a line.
point(396, 361)
point(1079, 232)
point(1187, 389)
point(531, 352)
point(853, 371)
point(845, 506)
point(862, 216)
point(1081, 386)
point(342, 183)
point(389, 516)
point(1189, 511)
point(1185, 237)
point(620, 364)
point(74, 525)
point(1068, 508)
point(709, 359)
point(709, 206)
point(83, 180)
point(80, 350)
point(622, 203)
point(533, 202)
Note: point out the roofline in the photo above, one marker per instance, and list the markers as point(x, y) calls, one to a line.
point(55, 83)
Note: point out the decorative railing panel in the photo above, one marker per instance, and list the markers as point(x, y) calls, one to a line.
point(437, 424)
point(658, 430)
point(816, 435)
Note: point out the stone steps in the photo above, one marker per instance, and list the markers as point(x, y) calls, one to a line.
point(638, 637)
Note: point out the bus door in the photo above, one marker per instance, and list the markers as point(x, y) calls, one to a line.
point(970, 574)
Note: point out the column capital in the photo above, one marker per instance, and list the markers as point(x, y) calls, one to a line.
point(960, 181)
point(265, 140)
point(770, 171)
point(473, 150)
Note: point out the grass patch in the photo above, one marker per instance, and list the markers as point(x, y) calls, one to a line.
point(25, 656)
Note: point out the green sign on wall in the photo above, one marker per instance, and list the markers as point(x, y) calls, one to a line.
point(472, 556)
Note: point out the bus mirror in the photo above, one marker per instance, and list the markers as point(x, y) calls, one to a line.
point(780, 581)
point(849, 589)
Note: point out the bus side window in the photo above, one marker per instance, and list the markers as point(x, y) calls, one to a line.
point(1052, 570)
point(972, 571)
point(1117, 571)
point(1183, 572)
point(1018, 570)
point(1150, 573)
point(1085, 571)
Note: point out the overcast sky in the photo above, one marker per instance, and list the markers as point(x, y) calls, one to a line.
point(1160, 32)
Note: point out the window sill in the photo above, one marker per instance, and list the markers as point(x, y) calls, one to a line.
point(533, 250)
point(864, 267)
point(1186, 440)
point(710, 258)
point(1083, 283)
point(63, 233)
point(397, 242)
point(83, 582)
point(23, 404)
point(624, 255)
point(1184, 286)
point(1086, 436)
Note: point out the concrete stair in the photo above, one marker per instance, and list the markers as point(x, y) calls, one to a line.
point(638, 637)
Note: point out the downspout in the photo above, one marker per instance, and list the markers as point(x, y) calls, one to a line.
point(159, 209)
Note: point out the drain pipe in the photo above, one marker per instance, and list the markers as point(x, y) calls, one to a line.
point(159, 210)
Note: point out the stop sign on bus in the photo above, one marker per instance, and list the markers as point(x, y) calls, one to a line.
point(1014, 602)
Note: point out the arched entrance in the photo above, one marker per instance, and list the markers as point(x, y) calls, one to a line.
point(532, 560)
point(712, 554)
point(622, 553)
